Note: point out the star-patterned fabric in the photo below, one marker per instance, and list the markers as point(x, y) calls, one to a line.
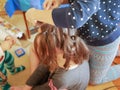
point(96, 28)
point(102, 28)
point(74, 16)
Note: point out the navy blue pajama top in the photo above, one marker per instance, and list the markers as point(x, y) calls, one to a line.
point(96, 20)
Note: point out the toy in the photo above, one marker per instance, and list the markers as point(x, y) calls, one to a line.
point(20, 52)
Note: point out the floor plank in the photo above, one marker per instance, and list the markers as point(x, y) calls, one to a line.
point(117, 82)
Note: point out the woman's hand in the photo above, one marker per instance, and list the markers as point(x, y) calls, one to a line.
point(51, 4)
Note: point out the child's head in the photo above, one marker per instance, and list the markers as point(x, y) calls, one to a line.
point(52, 38)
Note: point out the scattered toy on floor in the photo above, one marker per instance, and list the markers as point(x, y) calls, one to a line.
point(20, 52)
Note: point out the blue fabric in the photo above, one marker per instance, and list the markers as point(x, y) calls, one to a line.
point(96, 20)
point(36, 3)
point(64, 5)
point(41, 4)
point(11, 7)
point(103, 26)
point(76, 14)
point(24, 4)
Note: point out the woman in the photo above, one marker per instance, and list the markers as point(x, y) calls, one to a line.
point(97, 23)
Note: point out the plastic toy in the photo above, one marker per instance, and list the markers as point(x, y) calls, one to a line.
point(20, 52)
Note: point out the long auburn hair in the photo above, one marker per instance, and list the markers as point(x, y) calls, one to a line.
point(50, 38)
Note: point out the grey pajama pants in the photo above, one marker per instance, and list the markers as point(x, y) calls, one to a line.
point(101, 58)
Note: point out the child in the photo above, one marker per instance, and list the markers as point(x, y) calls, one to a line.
point(63, 62)
point(6, 59)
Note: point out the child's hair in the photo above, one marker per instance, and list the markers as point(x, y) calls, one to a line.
point(50, 38)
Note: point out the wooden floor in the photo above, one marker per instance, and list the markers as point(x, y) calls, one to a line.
point(117, 82)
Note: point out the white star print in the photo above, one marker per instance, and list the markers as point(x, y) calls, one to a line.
point(81, 19)
point(88, 9)
point(69, 13)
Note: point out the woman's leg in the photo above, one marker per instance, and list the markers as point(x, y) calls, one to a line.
point(101, 59)
point(10, 65)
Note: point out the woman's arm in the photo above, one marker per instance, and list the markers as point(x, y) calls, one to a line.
point(73, 16)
